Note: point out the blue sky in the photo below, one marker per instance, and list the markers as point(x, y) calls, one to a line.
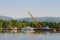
point(38, 8)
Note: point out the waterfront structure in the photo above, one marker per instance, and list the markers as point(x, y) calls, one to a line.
point(14, 29)
point(27, 29)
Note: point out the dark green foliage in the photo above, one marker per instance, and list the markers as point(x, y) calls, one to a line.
point(21, 24)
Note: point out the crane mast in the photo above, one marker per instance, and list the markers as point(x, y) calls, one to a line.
point(38, 26)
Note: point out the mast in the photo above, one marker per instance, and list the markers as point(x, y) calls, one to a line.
point(38, 26)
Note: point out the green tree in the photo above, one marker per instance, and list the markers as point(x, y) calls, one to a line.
point(1, 23)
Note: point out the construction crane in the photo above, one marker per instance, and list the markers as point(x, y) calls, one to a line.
point(38, 26)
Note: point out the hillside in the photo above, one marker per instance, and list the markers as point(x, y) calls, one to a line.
point(5, 17)
point(42, 19)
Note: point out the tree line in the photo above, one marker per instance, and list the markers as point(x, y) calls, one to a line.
point(21, 24)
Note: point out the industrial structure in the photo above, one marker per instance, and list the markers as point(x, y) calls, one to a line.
point(38, 26)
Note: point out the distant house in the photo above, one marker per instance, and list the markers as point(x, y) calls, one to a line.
point(14, 29)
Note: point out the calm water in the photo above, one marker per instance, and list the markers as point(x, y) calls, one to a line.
point(27, 36)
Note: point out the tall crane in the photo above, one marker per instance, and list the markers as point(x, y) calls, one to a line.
point(38, 26)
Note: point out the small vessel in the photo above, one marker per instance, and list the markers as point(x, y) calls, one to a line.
point(27, 30)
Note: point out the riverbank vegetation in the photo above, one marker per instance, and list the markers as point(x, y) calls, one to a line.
point(22, 24)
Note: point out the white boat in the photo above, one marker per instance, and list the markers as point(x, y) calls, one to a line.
point(27, 29)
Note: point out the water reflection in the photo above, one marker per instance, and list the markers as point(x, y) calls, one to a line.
point(26, 36)
point(19, 35)
point(29, 32)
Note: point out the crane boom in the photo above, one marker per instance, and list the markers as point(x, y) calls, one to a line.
point(35, 21)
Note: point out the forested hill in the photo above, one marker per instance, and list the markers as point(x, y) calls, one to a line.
point(5, 18)
point(40, 19)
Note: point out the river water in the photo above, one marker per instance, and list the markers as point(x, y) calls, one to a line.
point(30, 36)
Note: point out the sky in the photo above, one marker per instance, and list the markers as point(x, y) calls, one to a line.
point(38, 8)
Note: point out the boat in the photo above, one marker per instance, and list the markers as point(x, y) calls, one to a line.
point(27, 30)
